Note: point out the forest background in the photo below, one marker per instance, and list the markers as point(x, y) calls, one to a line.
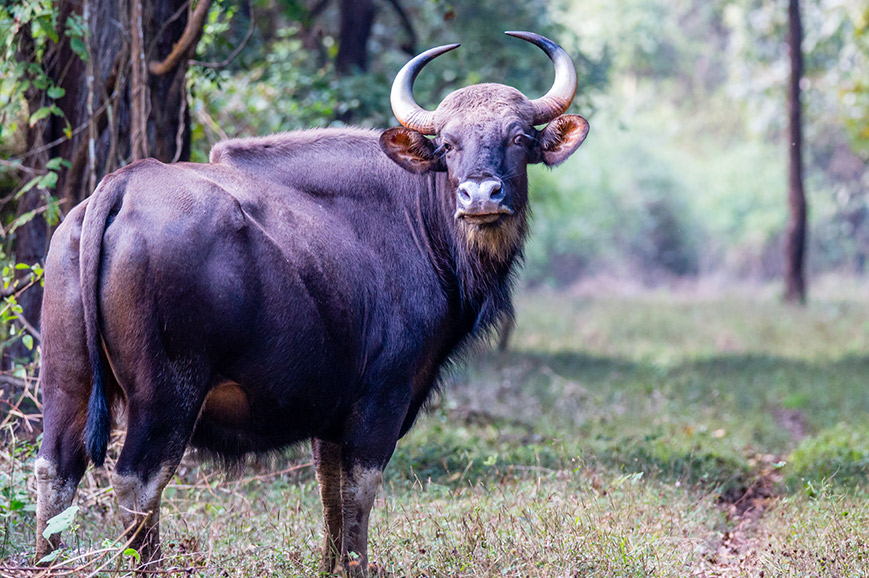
point(640, 424)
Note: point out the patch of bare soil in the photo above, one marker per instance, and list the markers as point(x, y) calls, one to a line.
point(735, 555)
point(793, 421)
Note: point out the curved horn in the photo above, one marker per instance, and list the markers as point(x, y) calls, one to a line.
point(559, 97)
point(405, 108)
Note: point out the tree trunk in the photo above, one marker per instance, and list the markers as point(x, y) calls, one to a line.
point(357, 17)
point(169, 118)
point(795, 239)
point(31, 240)
point(123, 101)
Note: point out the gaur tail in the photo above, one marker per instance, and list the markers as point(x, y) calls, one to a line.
point(98, 427)
point(99, 419)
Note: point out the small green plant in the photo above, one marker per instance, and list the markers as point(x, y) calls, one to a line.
point(133, 554)
point(17, 505)
point(15, 279)
point(61, 522)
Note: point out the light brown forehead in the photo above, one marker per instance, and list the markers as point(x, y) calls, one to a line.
point(484, 104)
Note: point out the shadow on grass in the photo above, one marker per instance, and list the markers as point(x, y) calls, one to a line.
point(706, 422)
point(826, 391)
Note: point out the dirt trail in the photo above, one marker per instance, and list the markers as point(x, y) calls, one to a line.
point(736, 553)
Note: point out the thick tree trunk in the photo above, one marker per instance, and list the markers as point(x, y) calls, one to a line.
point(357, 17)
point(102, 128)
point(169, 118)
point(31, 239)
point(795, 239)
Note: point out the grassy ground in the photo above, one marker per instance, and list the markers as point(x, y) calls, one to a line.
point(699, 432)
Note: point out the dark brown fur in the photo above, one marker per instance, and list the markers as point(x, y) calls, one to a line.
point(300, 286)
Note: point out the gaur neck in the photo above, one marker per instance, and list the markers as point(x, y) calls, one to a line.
point(478, 284)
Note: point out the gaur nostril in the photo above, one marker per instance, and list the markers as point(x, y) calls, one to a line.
point(497, 193)
point(464, 194)
point(491, 190)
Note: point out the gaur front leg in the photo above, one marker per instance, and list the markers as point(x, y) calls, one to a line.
point(369, 441)
point(358, 489)
point(327, 460)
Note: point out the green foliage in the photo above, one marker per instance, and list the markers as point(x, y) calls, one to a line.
point(61, 522)
point(15, 279)
point(599, 212)
point(133, 555)
point(22, 72)
point(17, 505)
point(855, 97)
point(310, 95)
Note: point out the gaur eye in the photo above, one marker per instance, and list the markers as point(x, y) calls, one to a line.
point(521, 139)
point(443, 149)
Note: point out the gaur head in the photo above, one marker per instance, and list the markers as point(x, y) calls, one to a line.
point(485, 135)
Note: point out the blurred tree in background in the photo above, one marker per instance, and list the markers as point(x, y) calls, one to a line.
point(795, 235)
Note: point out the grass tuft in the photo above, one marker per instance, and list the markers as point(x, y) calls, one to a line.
point(837, 454)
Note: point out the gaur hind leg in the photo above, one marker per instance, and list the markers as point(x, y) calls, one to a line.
point(61, 461)
point(65, 383)
point(159, 424)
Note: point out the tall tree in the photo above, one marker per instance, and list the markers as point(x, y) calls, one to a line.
point(357, 17)
point(119, 69)
point(795, 236)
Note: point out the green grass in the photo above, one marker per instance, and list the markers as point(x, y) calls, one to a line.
point(601, 444)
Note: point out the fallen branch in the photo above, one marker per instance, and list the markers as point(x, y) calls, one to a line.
point(12, 381)
point(17, 166)
point(65, 572)
point(20, 318)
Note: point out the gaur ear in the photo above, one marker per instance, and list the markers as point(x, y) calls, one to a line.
point(561, 137)
point(410, 149)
